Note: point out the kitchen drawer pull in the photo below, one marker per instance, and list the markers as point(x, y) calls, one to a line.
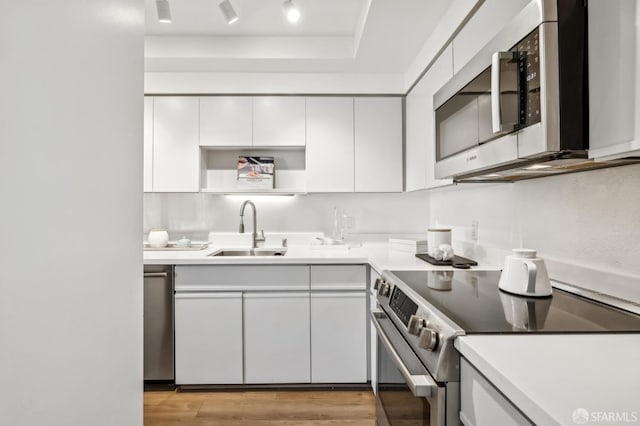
point(420, 385)
point(156, 274)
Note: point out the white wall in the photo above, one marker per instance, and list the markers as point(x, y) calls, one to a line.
point(196, 214)
point(589, 219)
point(71, 182)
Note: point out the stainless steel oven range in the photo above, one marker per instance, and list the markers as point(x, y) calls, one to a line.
point(421, 313)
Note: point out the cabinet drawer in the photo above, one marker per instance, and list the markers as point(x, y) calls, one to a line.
point(482, 404)
point(338, 277)
point(241, 278)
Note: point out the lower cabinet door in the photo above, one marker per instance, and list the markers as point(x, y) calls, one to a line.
point(339, 337)
point(277, 337)
point(208, 338)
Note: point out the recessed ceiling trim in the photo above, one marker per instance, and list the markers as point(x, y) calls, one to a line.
point(275, 47)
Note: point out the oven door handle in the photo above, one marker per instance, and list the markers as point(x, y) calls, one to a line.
point(420, 385)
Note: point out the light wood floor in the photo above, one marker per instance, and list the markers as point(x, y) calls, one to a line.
point(259, 408)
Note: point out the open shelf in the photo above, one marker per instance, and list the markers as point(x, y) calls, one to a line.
point(219, 170)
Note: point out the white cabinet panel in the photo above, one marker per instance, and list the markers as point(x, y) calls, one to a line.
point(330, 149)
point(373, 337)
point(208, 335)
point(176, 154)
point(420, 125)
point(488, 20)
point(338, 337)
point(279, 121)
point(242, 278)
point(226, 120)
point(277, 337)
point(614, 78)
point(338, 277)
point(148, 145)
point(378, 144)
point(481, 404)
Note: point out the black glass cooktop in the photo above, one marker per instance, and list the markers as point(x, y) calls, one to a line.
point(472, 300)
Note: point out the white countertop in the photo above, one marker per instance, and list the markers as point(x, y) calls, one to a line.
point(377, 255)
point(549, 377)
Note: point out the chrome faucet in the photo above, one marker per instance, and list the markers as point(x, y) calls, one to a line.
point(255, 239)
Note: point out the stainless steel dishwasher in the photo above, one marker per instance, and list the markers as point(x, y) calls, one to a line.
point(158, 323)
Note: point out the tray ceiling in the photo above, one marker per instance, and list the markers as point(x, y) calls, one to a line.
point(333, 36)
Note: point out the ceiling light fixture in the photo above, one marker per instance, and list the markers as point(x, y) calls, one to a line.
point(291, 11)
point(227, 10)
point(164, 11)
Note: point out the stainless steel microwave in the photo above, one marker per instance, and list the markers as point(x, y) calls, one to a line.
point(519, 107)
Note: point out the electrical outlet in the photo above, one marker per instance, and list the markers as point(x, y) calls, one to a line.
point(474, 230)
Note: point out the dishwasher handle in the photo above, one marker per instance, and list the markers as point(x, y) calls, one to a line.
point(156, 274)
point(420, 385)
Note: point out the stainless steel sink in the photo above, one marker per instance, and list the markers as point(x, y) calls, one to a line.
point(251, 252)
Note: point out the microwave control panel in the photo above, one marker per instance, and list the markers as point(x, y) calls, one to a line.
point(528, 50)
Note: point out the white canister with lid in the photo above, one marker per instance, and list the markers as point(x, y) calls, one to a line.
point(158, 238)
point(437, 237)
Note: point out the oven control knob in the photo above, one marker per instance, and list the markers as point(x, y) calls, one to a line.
point(416, 324)
point(428, 339)
point(376, 284)
point(383, 289)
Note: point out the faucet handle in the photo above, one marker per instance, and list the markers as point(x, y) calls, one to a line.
point(260, 237)
point(284, 242)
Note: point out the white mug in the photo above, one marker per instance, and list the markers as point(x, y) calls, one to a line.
point(525, 274)
point(436, 237)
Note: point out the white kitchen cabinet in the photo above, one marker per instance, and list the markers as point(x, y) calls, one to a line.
point(279, 121)
point(148, 145)
point(614, 78)
point(208, 331)
point(487, 21)
point(481, 404)
point(373, 335)
point(378, 144)
point(226, 121)
point(277, 337)
point(330, 148)
point(176, 153)
point(338, 337)
point(338, 324)
point(420, 125)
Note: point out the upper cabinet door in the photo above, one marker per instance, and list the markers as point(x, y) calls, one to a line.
point(614, 79)
point(226, 120)
point(420, 125)
point(176, 154)
point(148, 145)
point(279, 121)
point(486, 22)
point(330, 153)
point(378, 144)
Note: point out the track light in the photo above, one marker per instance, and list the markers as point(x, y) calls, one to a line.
point(228, 12)
point(291, 11)
point(164, 11)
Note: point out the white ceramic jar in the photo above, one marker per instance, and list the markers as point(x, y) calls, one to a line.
point(158, 238)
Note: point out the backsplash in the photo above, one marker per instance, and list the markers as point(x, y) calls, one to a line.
point(587, 224)
point(590, 220)
point(196, 214)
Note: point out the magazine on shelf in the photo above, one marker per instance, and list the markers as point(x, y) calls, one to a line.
point(255, 172)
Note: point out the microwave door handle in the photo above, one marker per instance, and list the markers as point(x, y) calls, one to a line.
point(496, 106)
point(420, 385)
